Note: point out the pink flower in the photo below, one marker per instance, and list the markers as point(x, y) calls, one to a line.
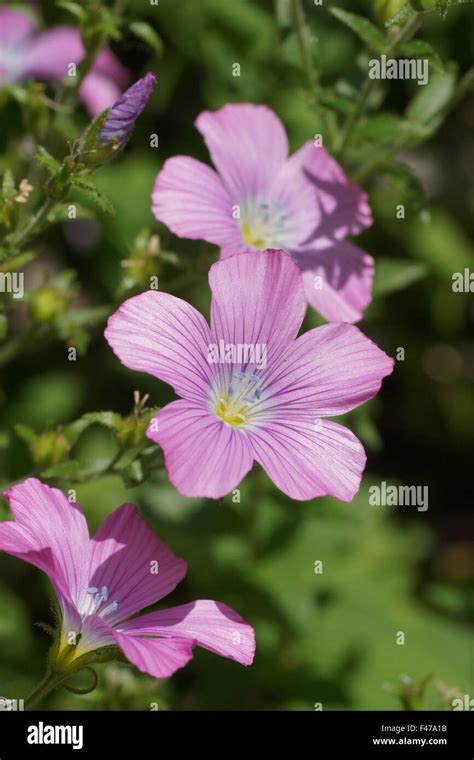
point(259, 199)
point(25, 54)
point(102, 582)
point(264, 404)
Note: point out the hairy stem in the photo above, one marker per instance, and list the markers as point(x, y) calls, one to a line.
point(49, 682)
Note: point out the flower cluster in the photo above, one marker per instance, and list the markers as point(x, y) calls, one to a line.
point(251, 389)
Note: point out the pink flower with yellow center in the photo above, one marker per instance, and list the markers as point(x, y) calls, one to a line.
point(101, 583)
point(250, 389)
point(260, 198)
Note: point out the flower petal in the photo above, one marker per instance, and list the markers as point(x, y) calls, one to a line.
point(257, 298)
point(132, 563)
point(211, 625)
point(190, 198)
point(15, 27)
point(247, 144)
point(159, 658)
point(98, 92)
point(326, 372)
point(49, 532)
point(314, 188)
point(306, 459)
point(52, 52)
point(166, 337)
point(204, 456)
point(337, 280)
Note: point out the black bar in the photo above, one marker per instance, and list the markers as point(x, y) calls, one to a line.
point(309, 734)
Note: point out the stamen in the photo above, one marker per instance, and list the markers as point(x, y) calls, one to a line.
point(111, 608)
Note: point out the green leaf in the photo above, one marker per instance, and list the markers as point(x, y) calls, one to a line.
point(432, 99)
point(407, 184)
point(69, 470)
point(94, 194)
point(17, 262)
point(392, 275)
point(26, 433)
point(145, 32)
point(47, 160)
point(367, 32)
point(89, 139)
point(8, 183)
point(423, 6)
point(110, 420)
point(61, 213)
point(421, 49)
point(387, 128)
point(73, 8)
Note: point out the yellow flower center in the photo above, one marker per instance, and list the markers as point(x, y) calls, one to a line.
point(237, 405)
point(264, 226)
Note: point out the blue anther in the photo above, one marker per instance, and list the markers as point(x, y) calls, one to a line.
point(92, 590)
point(230, 391)
point(111, 608)
point(258, 392)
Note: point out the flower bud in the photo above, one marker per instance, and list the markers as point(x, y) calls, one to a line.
point(124, 113)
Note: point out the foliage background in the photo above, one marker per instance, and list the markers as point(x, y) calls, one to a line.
point(322, 638)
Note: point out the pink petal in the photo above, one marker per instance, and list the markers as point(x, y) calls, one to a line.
point(50, 54)
point(326, 372)
point(204, 456)
point(15, 27)
point(257, 299)
point(211, 625)
point(314, 181)
point(49, 532)
point(95, 634)
point(166, 337)
point(52, 51)
point(107, 64)
point(98, 92)
point(337, 280)
point(306, 459)
point(247, 144)
point(190, 198)
point(159, 658)
point(132, 563)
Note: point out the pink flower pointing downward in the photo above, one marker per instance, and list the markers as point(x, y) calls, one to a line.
point(102, 582)
point(25, 54)
point(251, 390)
point(259, 199)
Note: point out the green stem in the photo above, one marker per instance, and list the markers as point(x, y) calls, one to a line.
point(405, 33)
point(34, 224)
point(49, 682)
point(299, 26)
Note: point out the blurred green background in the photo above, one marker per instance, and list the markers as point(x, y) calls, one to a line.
point(322, 638)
